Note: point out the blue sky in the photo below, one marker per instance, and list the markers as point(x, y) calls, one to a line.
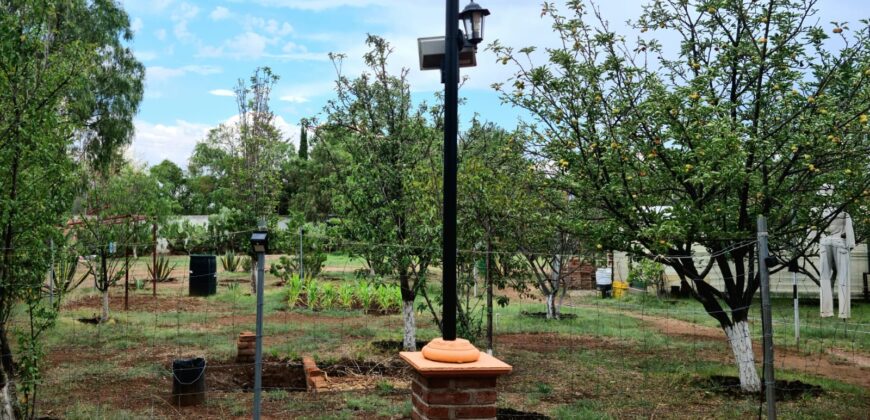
point(195, 51)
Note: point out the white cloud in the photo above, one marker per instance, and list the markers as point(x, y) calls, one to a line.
point(181, 16)
point(158, 74)
point(246, 45)
point(134, 7)
point(319, 5)
point(308, 90)
point(294, 99)
point(136, 25)
point(222, 92)
point(155, 142)
point(160, 34)
point(219, 13)
point(146, 55)
point(292, 47)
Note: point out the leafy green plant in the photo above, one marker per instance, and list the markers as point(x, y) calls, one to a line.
point(328, 296)
point(345, 296)
point(246, 263)
point(389, 298)
point(647, 272)
point(312, 293)
point(364, 293)
point(161, 271)
point(295, 287)
point(230, 261)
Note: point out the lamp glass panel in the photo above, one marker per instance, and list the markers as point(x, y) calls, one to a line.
point(477, 25)
point(466, 22)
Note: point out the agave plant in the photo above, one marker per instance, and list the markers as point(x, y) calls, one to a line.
point(294, 290)
point(230, 261)
point(161, 271)
point(345, 296)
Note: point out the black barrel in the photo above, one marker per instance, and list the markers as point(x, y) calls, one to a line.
point(188, 381)
point(203, 275)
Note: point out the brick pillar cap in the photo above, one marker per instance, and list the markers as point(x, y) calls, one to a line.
point(486, 365)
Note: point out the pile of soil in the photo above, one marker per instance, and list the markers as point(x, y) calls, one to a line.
point(543, 315)
point(511, 414)
point(785, 390)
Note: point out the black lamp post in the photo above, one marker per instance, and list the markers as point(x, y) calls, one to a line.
point(472, 17)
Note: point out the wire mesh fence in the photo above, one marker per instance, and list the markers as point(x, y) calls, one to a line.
point(639, 354)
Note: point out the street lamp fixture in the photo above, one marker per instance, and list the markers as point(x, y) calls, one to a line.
point(448, 348)
point(472, 18)
point(259, 242)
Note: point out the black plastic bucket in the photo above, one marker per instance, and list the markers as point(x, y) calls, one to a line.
point(188, 381)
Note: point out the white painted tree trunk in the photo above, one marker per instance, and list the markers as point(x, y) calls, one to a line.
point(105, 315)
point(254, 276)
point(551, 307)
point(7, 412)
point(410, 339)
point(135, 252)
point(741, 346)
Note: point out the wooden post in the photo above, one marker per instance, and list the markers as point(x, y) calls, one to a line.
point(154, 258)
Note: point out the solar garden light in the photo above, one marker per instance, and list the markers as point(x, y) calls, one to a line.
point(260, 245)
point(445, 56)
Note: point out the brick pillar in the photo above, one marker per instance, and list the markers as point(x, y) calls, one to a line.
point(452, 390)
point(246, 347)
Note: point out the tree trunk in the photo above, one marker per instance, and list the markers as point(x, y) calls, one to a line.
point(7, 389)
point(409, 341)
point(552, 312)
point(7, 399)
point(741, 346)
point(135, 252)
point(105, 314)
point(254, 276)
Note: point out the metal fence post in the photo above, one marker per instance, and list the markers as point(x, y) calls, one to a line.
point(258, 354)
point(767, 328)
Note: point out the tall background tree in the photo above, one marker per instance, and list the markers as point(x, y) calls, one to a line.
point(243, 161)
point(69, 86)
point(681, 148)
point(385, 152)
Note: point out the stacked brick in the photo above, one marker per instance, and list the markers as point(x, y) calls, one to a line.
point(454, 398)
point(579, 275)
point(246, 347)
point(315, 379)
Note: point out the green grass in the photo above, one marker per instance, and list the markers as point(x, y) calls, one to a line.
point(602, 364)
